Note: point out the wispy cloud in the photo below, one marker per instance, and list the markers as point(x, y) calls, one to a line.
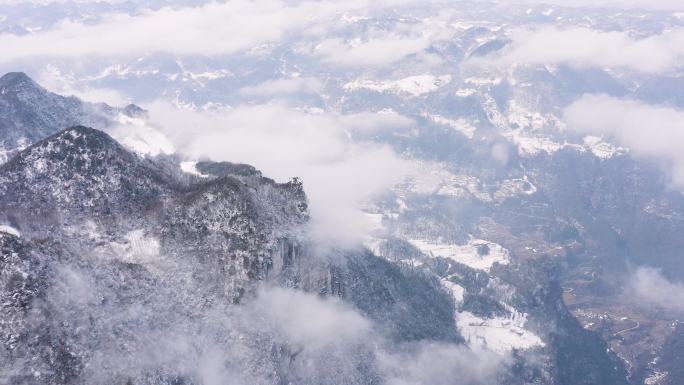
point(52, 79)
point(316, 322)
point(625, 4)
point(281, 87)
point(437, 364)
point(376, 51)
point(225, 28)
point(655, 132)
point(284, 332)
point(650, 288)
point(548, 45)
point(338, 173)
point(211, 29)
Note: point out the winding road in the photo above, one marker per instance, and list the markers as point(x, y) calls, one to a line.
point(635, 327)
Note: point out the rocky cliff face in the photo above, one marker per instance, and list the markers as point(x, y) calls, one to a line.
point(81, 184)
point(103, 232)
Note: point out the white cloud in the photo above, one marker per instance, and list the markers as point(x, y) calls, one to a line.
point(52, 79)
point(218, 28)
point(46, 2)
point(279, 87)
point(376, 51)
point(649, 131)
point(375, 122)
point(549, 45)
point(140, 138)
point(649, 287)
point(327, 327)
point(309, 320)
point(211, 29)
point(625, 4)
point(500, 153)
point(98, 95)
point(327, 324)
point(338, 173)
point(437, 364)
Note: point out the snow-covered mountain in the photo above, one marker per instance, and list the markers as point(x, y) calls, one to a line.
point(107, 253)
point(29, 112)
point(92, 229)
point(510, 216)
point(103, 250)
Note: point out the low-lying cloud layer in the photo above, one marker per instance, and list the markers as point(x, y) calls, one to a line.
point(125, 311)
point(52, 79)
point(150, 333)
point(625, 4)
point(378, 51)
point(282, 87)
point(650, 288)
point(339, 174)
point(437, 364)
point(654, 132)
point(211, 29)
point(217, 28)
point(550, 45)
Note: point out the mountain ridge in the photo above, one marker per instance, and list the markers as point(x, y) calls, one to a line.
point(29, 112)
point(173, 246)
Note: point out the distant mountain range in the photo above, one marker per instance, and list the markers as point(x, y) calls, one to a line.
point(119, 267)
point(104, 252)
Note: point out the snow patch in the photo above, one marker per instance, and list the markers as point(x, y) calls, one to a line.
point(352, 19)
point(435, 178)
point(4, 154)
point(465, 92)
point(137, 248)
point(532, 145)
point(601, 149)
point(412, 85)
point(521, 117)
point(459, 125)
point(513, 187)
point(22, 144)
point(477, 254)
point(498, 334)
point(484, 81)
point(656, 378)
point(521, 127)
point(190, 167)
point(10, 230)
point(140, 138)
point(457, 291)
point(122, 71)
point(373, 244)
